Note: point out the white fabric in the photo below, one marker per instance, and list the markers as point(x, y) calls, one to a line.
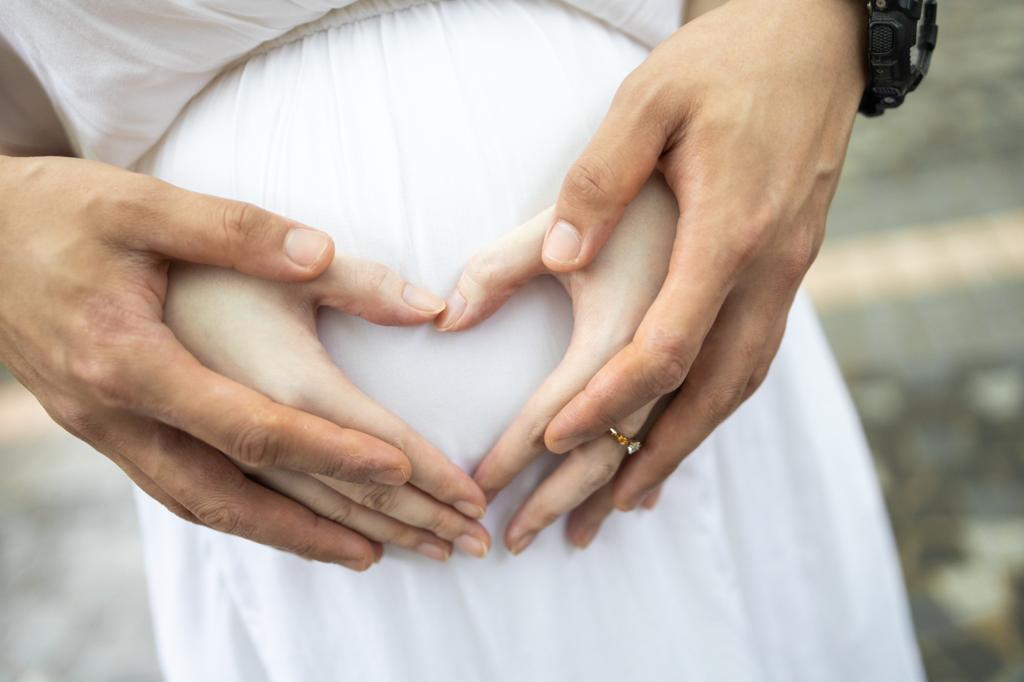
point(118, 72)
point(416, 137)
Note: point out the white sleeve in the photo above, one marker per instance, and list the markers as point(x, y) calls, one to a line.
point(28, 124)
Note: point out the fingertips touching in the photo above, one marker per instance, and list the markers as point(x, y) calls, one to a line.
point(492, 275)
point(374, 292)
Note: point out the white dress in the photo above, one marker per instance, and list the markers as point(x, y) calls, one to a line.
point(416, 133)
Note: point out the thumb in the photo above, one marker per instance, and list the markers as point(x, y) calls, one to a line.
point(200, 228)
point(603, 181)
point(374, 292)
point(494, 274)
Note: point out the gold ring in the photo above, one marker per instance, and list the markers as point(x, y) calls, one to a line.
point(631, 444)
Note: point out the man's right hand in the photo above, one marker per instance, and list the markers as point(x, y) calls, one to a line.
point(84, 254)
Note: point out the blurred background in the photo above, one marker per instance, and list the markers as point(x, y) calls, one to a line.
point(921, 290)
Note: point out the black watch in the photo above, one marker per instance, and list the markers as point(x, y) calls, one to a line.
point(892, 31)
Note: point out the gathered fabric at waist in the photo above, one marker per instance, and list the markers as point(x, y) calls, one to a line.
point(648, 22)
point(363, 9)
point(119, 73)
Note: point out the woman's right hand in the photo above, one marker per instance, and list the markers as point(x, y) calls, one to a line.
point(263, 335)
point(609, 298)
point(84, 252)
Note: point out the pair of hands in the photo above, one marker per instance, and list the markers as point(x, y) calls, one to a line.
point(749, 131)
point(263, 334)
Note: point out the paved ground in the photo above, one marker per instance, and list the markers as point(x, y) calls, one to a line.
point(931, 343)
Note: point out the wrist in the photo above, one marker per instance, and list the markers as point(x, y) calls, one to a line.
point(832, 33)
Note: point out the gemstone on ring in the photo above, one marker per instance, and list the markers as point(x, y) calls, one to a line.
point(631, 444)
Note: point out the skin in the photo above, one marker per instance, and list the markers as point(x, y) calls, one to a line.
point(211, 309)
point(84, 256)
point(751, 144)
point(609, 298)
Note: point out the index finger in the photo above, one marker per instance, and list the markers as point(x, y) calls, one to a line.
point(658, 358)
point(152, 214)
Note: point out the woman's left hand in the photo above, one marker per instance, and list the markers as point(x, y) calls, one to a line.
point(263, 335)
point(609, 299)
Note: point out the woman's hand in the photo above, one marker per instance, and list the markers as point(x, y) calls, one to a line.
point(609, 299)
point(263, 335)
point(747, 111)
point(84, 251)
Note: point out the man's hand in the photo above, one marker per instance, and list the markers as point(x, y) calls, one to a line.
point(84, 252)
point(747, 111)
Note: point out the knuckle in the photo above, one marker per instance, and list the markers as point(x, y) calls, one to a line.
point(756, 380)
point(447, 488)
point(222, 516)
point(376, 277)
point(240, 222)
point(102, 377)
point(444, 524)
point(535, 433)
point(720, 402)
point(111, 339)
point(133, 200)
point(590, 180)
point(758, 231)
point(748, 245)
point(81, 423)
point(341, 511)
point(599, 473)
point(305, 546)
point(482, 272)
point(799, 256)
point(255, 443)
point(404, 536)
point(643, 91)
point(370, 279)
point(382, 498)
point(179, 511)
point(666, 358)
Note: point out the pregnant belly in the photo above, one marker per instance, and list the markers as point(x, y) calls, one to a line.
point(415, 138)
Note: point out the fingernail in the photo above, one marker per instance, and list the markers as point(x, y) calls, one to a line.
point(433, 552)
point(631, 502)
point(651, 500)
point(453, 311)
point(358, 565)
point(421, 299)
point(563, 243)
point(522, 543)
point(305, 246)
point(390, 477)
point(473, 511)
point(586, 536)
point(471, 545)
